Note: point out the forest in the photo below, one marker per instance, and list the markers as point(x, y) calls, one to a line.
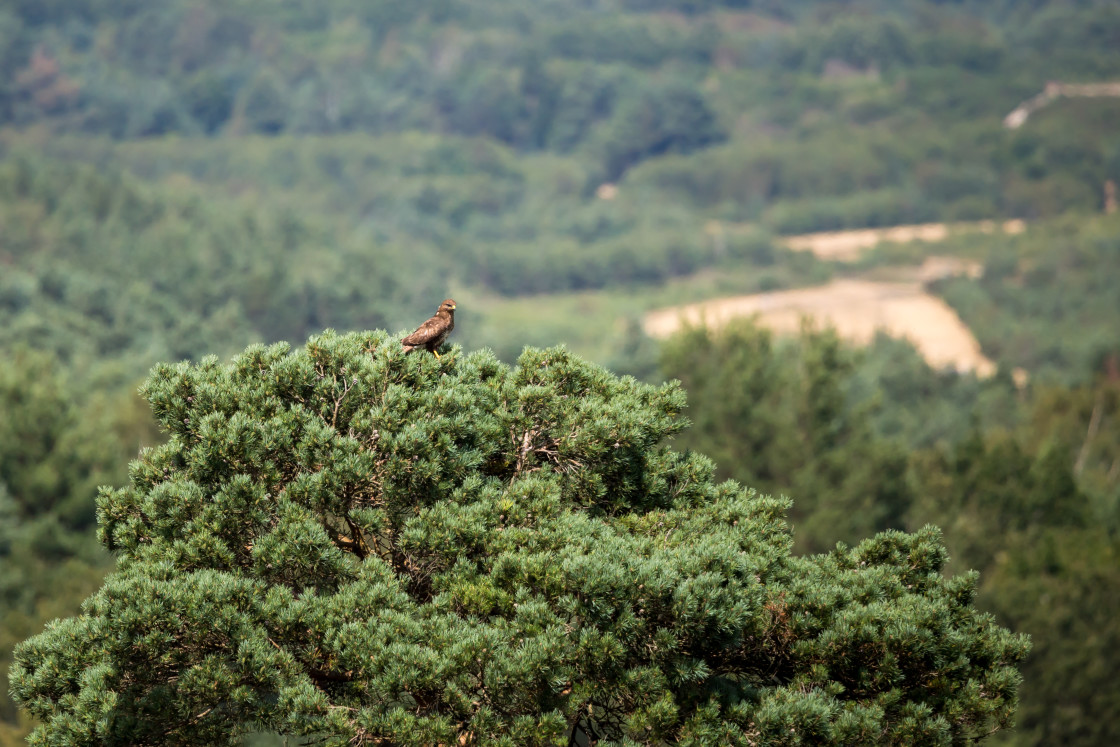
point(186, 178)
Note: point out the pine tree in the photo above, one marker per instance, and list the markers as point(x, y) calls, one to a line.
point(358, 546)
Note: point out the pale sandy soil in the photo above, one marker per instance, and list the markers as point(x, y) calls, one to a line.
point(855, 308)
point(846, 246)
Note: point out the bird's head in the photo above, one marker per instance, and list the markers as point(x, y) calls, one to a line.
point(448, 305)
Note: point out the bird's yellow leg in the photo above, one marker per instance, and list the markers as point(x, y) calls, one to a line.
point(436, 354)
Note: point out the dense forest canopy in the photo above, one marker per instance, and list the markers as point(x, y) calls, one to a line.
point(182, 178)
point(743, 96)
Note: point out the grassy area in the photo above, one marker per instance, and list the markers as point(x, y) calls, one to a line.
point(599, 324)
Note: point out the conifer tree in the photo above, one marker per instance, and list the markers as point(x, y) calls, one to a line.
point(357, 546)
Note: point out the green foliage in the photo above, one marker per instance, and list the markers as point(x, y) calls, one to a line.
point(916, 88)
point(276, 168)
point(55, 449)
point(1024, 482)
point(1050, 572)
point(50, 458)
point(671, 118)
point(1049, 300)
point(509, 224)
point(988, 482)
point(100, 266)
point(53, 453)
point(776, 415)
point(1086, 421)
point(919, 406)
point(1063, 587)
point(360, 546)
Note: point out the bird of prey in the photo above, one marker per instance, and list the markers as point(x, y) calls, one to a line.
point(431, 334)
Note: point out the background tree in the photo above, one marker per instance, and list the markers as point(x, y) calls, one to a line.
point(353, 544)
point(776, 414)
point(53, 452)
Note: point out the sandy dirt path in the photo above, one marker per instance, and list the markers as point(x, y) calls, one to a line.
point(856, 308)
point(847, 246)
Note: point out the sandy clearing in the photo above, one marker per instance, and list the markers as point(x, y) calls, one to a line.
point(856, 308)
point(847, 246)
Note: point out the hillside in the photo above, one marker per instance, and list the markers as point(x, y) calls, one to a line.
point(183, 178)
point(800, 116)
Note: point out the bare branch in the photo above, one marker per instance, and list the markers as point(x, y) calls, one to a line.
point(1094, 426)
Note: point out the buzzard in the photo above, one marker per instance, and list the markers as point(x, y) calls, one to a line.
point(431, 334)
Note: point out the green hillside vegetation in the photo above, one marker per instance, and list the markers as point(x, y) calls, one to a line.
point(180, 179)
point(1048, 301)
point(103, 268)
point(54, 452)
point(491, 218)
point(803, 115)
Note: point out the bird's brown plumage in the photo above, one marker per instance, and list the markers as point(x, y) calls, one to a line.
point(431, 334)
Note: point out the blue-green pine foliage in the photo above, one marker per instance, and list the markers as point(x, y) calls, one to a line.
point(360, 546)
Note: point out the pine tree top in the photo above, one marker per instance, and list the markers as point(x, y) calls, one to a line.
point(367, 547)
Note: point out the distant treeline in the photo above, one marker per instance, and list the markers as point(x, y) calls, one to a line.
point(100, 268)
point(803, 115)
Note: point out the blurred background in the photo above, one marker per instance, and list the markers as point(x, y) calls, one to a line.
point(667, 187)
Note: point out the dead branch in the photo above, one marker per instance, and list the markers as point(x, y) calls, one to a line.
point(1090, 434)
